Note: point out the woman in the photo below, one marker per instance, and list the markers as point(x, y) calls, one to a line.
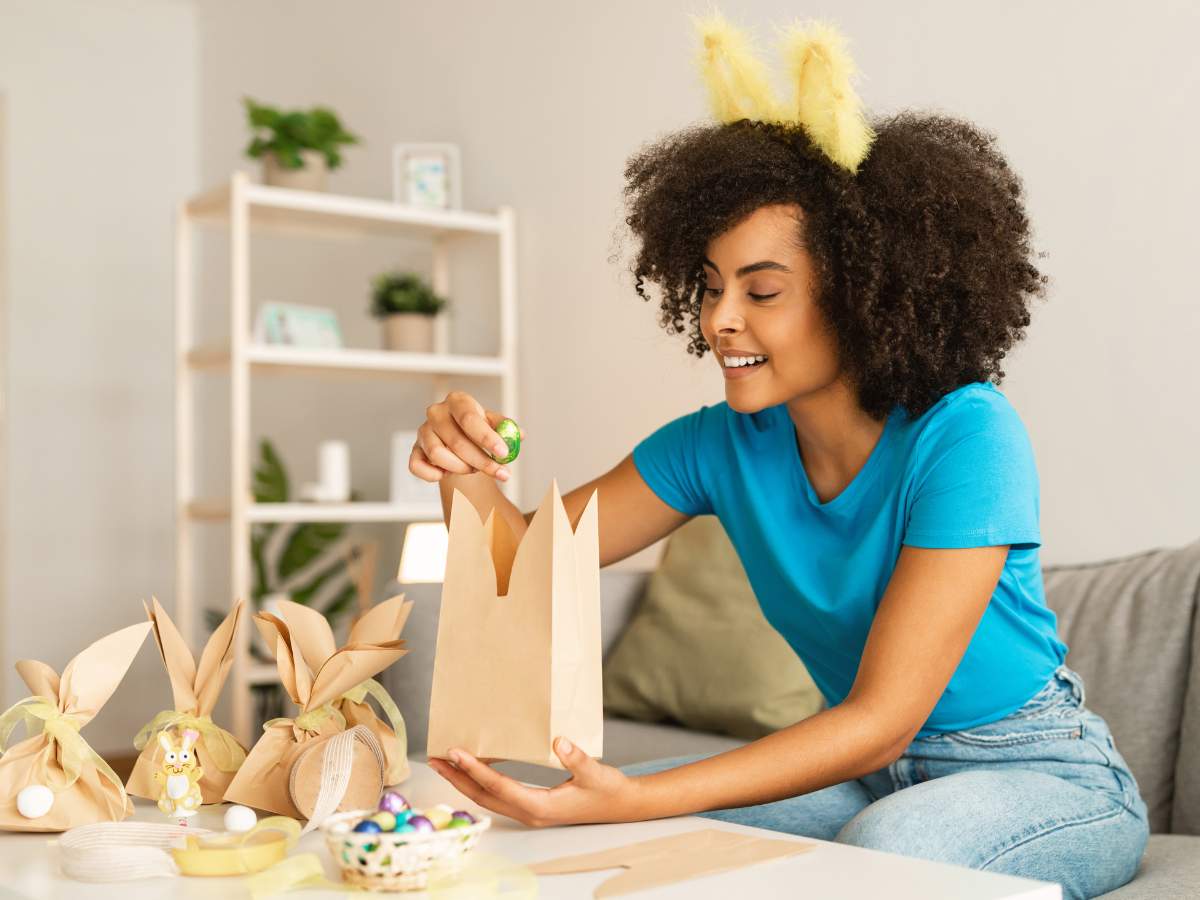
point(880, 491)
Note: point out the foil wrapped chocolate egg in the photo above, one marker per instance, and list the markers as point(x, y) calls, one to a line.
point(421, 824)
point(510, 432)
point(392, 802)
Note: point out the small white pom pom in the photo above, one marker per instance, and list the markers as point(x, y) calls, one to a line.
point(240, 818)
point(35, 801)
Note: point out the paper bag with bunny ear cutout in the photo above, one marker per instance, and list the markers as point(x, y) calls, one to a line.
point(194, 691)
point(380, 624)
point(264, 780)
point(85, 789)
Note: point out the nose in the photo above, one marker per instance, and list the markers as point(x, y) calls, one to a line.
point(726, 317)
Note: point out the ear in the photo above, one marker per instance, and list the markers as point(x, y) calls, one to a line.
point(164, 741)
point(189, 738)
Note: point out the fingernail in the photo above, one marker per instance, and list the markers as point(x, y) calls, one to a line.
point(564, 745)
point(502, 473)
point(500, 450)
point(455, 757)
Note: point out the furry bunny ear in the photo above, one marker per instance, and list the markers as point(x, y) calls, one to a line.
point(164, 741)
point(738, 86)
point(825, 104)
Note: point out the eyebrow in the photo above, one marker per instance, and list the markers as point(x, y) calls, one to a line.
point(753, 267)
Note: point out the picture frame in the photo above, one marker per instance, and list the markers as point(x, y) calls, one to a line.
point(296, 325)
point(427, 175)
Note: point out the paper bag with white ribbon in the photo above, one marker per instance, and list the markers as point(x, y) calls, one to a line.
point(266, 779)
point(378, 625)
point(518, 651)
point(194, 691)
point(68, 783)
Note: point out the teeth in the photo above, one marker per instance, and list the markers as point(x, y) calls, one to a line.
point(735, 361)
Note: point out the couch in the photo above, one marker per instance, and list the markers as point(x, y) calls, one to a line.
point(1134, 635)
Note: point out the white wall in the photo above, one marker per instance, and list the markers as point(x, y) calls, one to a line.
point(102, 119)
point(547, 99)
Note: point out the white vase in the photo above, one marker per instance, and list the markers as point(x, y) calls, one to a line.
point(408, 332)
point(309, 178)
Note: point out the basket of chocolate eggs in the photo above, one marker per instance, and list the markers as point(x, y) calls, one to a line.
point(394, 847)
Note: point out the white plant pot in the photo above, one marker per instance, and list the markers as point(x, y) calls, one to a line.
point(408, 332)
point(310, 178)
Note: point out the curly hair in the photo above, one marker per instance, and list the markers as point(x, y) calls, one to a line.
point(924, 265)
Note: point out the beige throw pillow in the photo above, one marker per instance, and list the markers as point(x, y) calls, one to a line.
point(699, 652)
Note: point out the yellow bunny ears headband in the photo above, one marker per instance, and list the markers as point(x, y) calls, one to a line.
point(820, 69)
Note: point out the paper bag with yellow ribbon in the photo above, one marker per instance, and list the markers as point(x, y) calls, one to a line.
point(518, 645)
point(194, 690)
point(284, 769)
point(67, 782)
point(380, 624)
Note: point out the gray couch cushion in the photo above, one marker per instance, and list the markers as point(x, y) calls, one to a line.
point(1170, 871)
point(1185, 817)
point(1128, 624)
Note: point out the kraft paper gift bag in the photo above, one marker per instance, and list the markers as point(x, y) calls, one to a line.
point(380, 624)
point(85, 788)
point(518, 648)
point(265, 780)
point(194, 692)
point(677, 857)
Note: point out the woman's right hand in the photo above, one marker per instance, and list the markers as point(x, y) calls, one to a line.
point(458, 438)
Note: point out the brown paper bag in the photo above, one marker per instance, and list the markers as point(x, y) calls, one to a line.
point(263, 781)
point(671, 859)
point(380, 624)
point(518, 651)
point(86, 790)
point(195, 692)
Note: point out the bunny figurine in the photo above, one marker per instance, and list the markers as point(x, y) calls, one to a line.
point(179, 777)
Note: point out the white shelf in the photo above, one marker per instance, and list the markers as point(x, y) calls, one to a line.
point(274, 358)
point(215, 510)
point(281, 209)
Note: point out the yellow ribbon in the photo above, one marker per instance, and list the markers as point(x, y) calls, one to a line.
point(309, 721)
point(224, 749)
point(373, 688)
point(63, 728)
point(299, 871)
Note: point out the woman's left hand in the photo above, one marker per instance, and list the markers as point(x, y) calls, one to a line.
point(594, 793)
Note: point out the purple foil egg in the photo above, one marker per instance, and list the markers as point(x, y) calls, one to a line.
point(464, 815)
point(421, 824)
point(392, 802)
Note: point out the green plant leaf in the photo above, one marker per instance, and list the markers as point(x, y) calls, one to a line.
point(306, 543)
point(270, 477)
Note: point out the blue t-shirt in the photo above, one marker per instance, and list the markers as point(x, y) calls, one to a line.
point(960, 475)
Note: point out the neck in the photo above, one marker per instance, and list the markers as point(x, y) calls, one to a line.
point(834, 436)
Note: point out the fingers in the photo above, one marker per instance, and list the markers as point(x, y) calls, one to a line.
point(473, 791)
point(578, 763)
point(419, 465)
point(457, 439)
point(494, 419)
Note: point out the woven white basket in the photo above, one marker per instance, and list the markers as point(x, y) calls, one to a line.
point(387, 861)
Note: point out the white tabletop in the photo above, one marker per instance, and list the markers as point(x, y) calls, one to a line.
point(30, 867)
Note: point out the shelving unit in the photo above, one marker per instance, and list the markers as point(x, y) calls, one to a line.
point(244, 207)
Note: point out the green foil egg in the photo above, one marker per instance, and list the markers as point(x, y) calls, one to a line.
point(511, 433)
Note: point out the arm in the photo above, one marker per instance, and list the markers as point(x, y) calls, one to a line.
point(921, 630)
point(449, 451)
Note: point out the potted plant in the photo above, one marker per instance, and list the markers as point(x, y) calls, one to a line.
point(297, 148)
point(407, 306)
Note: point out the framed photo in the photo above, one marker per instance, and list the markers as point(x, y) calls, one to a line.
point(427, 175)
point(293, 325)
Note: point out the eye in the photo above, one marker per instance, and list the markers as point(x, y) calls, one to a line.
point(171, 757)
point(184, 756)
point(711, 291)
point(763, 296)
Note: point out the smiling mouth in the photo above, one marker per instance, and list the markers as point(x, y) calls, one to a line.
point(735, 367)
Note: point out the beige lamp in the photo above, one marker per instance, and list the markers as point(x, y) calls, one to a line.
point(423, 558)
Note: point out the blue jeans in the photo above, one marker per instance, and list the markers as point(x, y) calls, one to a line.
point(1042, 793)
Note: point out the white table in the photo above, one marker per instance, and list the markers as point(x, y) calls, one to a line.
point(29, 867)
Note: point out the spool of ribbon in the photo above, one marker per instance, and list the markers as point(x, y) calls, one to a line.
point(63, 729)
point(309, 721)
point(221, 746)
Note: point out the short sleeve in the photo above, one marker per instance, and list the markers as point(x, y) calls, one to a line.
point(669, 462)
point(976, 484)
